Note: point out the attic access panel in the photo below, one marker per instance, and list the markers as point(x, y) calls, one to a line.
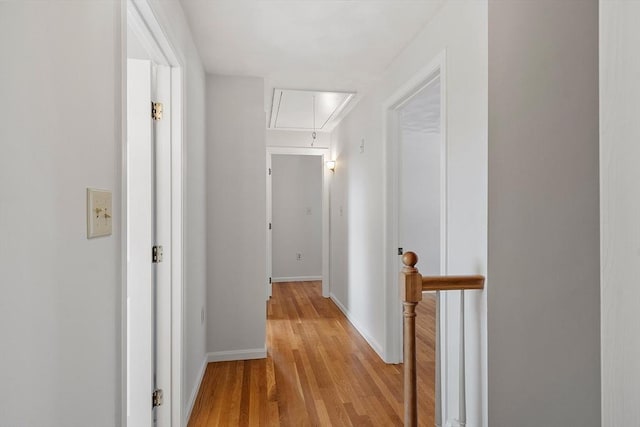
point(294, 109)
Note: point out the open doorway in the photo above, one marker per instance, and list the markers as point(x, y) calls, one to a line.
point(296, 218)
point(296, 257)
point(420, 222)
point(152, 293)
point(416, 214)
point(420, 182)
point(416, 194)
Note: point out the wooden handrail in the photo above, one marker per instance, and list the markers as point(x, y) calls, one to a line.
point(412, 284)
point(452, 283)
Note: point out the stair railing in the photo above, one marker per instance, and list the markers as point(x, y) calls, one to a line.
point(412, 285)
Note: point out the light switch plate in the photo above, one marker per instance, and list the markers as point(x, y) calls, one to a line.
point(99, 213)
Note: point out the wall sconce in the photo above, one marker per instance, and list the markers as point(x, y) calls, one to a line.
point(331, 165)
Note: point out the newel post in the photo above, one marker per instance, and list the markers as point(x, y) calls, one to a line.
point(411, 294)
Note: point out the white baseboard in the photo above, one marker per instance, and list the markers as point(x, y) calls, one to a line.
point(247, 354)
point(375, 345)
point(196, 389)
point(296, 279)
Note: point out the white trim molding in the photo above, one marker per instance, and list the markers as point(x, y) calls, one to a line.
point(140, 17)
point(296, 279)
point(231, 355)
point(375, 345)
point(393, 316)
point(326, 178)
point(194, 392)
point(424, 77)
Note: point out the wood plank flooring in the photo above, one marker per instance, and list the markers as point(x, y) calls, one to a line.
point(319, 371)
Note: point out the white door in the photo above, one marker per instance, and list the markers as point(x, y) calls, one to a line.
point(161, 92)
point(139, 242)
point(420, 180)
point(422, 193)
point(148, 225)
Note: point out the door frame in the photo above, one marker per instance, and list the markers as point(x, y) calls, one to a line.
point(324, 153)
point(391, 152)
point(139, 16)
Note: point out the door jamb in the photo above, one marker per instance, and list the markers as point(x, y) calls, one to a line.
point(139, 15)
point(326, 175)
point(391, 134)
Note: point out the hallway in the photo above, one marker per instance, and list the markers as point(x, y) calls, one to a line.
point(319, 371)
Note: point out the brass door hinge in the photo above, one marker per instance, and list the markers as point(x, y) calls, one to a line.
point(156, 110)
point(156, 254)
point(156, 398)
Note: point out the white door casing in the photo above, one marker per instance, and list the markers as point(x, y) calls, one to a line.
point(269, 229)
point(141, 19)
point(449, 338)
point(326, 179)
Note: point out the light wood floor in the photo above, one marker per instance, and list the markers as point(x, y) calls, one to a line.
point(319, 371)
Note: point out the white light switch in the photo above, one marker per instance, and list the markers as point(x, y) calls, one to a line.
point(99, 214)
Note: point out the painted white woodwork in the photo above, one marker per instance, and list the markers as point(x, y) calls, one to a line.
point(327, 176)
point(421, 185)
point(269, 226)
point(149, 39)
point(438, 380)
point(620, 211)
point(421, 194)
point(139, 241)
point(307, 110)
point(161, 92)
point(422, 113)
point(174, 46)
point(297, 279)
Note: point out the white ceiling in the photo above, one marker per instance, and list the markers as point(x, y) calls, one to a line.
point(328, 45)
point(422, 112)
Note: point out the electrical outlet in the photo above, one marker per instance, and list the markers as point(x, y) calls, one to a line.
point(299, 256)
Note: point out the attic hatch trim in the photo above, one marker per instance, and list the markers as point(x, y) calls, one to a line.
point(328, 121)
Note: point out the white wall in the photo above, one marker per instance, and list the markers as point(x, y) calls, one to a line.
point(68, 301)
point(620, 210)
point(171, 17)
point(236, 216)
point(292, 138)
point(544, 287)
point(60, 132)
point(357, 195)
point(297, 217)
point(420, 198)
